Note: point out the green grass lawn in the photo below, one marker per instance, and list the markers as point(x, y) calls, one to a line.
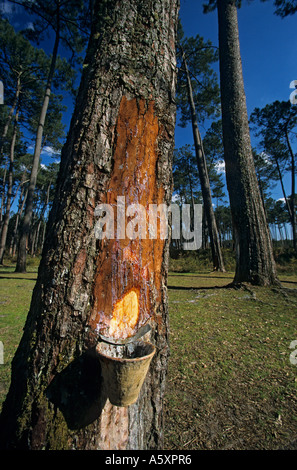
point(230, 382)
point(15, 296)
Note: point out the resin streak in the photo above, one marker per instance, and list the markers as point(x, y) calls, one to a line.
point(128, 278)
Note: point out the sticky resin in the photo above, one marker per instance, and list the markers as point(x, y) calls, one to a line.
point(125, 315)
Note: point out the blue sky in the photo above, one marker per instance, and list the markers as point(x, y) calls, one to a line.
point(268, 46)
point(268, 49)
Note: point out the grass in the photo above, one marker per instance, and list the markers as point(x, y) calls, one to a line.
point(15, 296)
point(230, 382)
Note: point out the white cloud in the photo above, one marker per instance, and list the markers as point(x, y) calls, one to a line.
point(220, 166)
point(48, 150)
point(266, 158)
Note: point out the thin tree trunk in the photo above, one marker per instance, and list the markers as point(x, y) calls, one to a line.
point(293, 191)
point(217, 258)
point(33, 239)
point(286, 232)
point(280, 233)
point(42, 219)
point(3, 195)
point(10, 114)
point(9, 191)
point(120, 143)
point(19, 215)
point(44, 223)
point(4, 134)
point(283, 188)
point(254, 254)
point(25, 228)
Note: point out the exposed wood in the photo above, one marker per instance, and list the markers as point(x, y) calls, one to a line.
point(120, 142)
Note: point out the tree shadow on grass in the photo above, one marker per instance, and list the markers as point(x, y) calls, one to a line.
point(225, 277)
point(18, 278)
point(202, 276)
point(78, 391)
point(227, 286)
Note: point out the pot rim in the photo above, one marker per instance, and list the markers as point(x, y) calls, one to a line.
point(127, 359)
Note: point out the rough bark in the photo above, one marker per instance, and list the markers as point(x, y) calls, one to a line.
point(217, 258)
point(254, 255)
point(120, 143)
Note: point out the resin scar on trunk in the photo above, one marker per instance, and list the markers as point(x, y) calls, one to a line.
point(128, 277)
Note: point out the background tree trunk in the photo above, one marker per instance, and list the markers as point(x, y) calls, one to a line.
point(9, 191)
point(217, 257)
point(26, 224)
point(254, 255)
point(22, 200)
point(292, 199)
point(2, 141)
point(120, 143)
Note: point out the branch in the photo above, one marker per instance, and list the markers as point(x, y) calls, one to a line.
point(36, 11)
point(196, 50)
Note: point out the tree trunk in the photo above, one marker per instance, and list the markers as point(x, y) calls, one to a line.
point(18, 216)
point(4, 133)
point(292, 200)
point(283, 188)
point(254, 255)
point(25, 228)
point(41, 222)
point(217, 258)
point(120, 143)
point(14, 233)
point(9, 191)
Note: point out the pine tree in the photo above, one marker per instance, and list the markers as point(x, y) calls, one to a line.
point(274, 123)
point(254, 254)
point(24, 69)
point(63, 19)
point(120, 143)
point(206, 95)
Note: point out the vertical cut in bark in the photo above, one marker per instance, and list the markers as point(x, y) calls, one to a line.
point(120, 143)
point(131, 263)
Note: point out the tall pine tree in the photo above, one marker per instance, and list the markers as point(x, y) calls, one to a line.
point(254, 254)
